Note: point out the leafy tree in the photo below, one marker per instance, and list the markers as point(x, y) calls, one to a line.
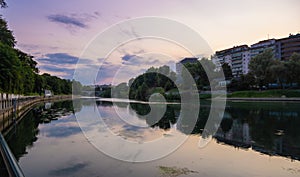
point(278, 72)
point(154, 80)
point(18, 71)
point(293, 72)
point(6, 35)
point(39, 84)
point(9, 69)
point(198, 72)
point(260, 67)
point(27, 60)
point(3, 4)
point(77, 87)
point(227, 71)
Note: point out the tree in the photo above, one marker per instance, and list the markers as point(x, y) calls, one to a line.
point(154, 80)
point(27, 60)
point(278, 72)
point(260, 67)
point(293, 72)
point(6, 35)
point(3, 4)
point(10, 77)
point(227, 71)
point(198, 72)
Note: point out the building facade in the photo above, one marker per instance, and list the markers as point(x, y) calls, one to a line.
point(261, 46)
point(237, 57)
point(287, 46)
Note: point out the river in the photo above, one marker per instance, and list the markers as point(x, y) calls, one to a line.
point(253, 139)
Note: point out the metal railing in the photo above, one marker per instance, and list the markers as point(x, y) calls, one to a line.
point(10, 162)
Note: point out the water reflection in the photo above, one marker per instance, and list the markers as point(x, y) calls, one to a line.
point(26, 132)
point(267, 128)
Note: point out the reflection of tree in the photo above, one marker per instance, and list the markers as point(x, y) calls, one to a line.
point(155, 120)
point(25, 133)
point(226, 125)
point(140, 109)
point(166, 121)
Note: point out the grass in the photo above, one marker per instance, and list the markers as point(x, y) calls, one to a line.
point(174, 171)
point(265, 94)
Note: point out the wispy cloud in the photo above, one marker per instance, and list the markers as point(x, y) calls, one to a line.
point(72, 21)
point(59, 58)
point(138, 60)
point(67, 20)
point(59, 64)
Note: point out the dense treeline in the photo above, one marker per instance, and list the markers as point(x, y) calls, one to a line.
point(199, 73)
point(19, 73)
point(154, 80)
point(268, 72)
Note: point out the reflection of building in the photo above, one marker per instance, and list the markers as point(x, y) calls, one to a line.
point(238, 135)
point(179, 67)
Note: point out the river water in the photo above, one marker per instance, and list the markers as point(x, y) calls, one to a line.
point(253, 139)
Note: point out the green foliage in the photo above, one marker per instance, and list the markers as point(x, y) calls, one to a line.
point(10, 75)
point(245, 82)
point(6, 35)
point(268, 70)
point(154, 80)
point(120, 91)
point(18, 71)
point(259, 66)
point(266, 93)
point(199, 73)
point(227, 71)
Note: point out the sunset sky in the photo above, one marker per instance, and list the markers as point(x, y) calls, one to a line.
point(57, 32)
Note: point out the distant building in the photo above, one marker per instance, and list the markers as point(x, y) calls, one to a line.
point(287, 46)
point(261, 46)
point(179, 67)
point(237, 57)
point(48, 93)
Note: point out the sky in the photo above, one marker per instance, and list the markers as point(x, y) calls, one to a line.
point(60, 34)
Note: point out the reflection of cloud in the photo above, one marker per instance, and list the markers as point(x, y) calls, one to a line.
point(68, 171)
point(63, 131)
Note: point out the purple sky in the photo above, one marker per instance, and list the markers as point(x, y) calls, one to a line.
point(57, 32)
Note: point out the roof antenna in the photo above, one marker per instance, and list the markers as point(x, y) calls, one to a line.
point(268, 37)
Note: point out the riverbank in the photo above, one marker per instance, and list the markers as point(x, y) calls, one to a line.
point(265, 94)
point(13, 109)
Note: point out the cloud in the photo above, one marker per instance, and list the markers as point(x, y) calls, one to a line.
point(59, 58)
point(127, 57)
point(67, 20)
point(58, 64)
point(71, 21)
point(137, 60)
